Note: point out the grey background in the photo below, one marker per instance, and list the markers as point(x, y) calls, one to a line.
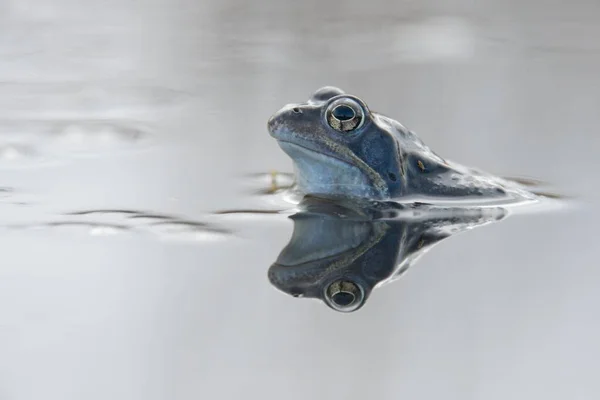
point(505, 311)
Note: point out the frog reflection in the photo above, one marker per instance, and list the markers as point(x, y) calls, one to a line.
point(339, 252)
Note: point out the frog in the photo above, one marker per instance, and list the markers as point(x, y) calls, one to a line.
point(341, 148)
point(341, 250)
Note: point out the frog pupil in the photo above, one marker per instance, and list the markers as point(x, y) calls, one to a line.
point(343, 299)
point(343, 113)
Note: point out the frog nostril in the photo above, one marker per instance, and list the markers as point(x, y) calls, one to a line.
point(297, 110)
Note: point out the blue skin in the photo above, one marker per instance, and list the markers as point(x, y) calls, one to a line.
point(341, 148)
point(359, 251)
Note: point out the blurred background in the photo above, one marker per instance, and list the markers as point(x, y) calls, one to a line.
point(159, 107)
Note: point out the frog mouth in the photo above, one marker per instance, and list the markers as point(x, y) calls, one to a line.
point(325, 173)
point(331, 172)
point(294, 147)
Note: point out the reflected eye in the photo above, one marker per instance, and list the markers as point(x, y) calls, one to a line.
point(345, 115)
point(344, 296)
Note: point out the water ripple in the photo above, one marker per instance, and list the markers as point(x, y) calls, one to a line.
point(117, 221)
point(27, 99)
point(31, 142)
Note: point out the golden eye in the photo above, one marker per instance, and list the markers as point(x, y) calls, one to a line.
point(344, 296)
point(344, 116)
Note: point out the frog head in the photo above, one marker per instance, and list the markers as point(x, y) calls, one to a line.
point(338, 146)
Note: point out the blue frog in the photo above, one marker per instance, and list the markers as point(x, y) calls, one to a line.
point(340, 147)
point(341, 250)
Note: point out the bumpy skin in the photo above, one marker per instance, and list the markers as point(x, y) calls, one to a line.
point(348, 244)
point(380, 159)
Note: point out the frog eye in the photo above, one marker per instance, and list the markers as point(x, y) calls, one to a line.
point(345, 115)
point(344, 296)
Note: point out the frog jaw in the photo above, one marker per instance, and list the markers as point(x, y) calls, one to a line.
point(320, 173)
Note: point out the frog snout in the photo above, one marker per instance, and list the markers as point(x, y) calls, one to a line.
point(271, 123)
point(282, 118)
point(274, 124)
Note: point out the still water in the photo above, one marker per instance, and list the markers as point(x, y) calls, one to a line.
point(124, 125)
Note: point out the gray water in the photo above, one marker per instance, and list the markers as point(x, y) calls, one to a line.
point(159, 108)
